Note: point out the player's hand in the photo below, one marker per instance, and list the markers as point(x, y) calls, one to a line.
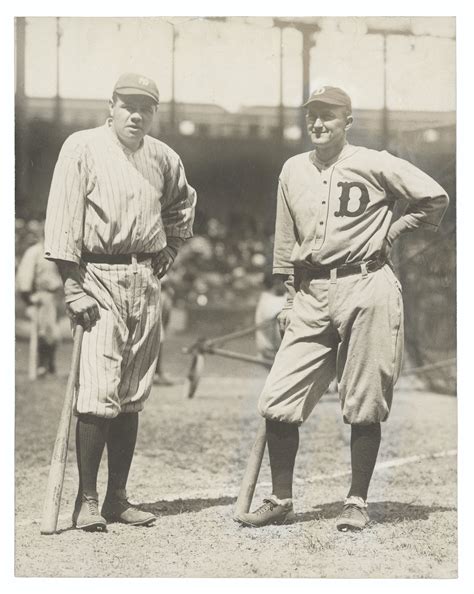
point(162, 261)
point(283, 320)
point(385, 251)
point(84, 311)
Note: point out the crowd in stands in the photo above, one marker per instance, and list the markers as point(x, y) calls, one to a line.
point(221, 267)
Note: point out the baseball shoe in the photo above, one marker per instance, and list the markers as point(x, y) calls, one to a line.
point(119, 509)
point(86, 514)
point(272, 511)
point(354, 515)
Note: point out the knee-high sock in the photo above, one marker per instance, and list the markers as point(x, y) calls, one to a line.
point(121, 442)
point(91, 435)
point(282, 441)
point(365, 442)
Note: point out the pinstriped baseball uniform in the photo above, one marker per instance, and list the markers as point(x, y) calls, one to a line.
point(331, 215)
point(106, 199)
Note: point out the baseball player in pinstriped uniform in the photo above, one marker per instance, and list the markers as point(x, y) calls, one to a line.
point(344, 314)
point(119, 208)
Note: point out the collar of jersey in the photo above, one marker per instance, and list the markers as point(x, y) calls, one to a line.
point(346, 150)
point(116, 139)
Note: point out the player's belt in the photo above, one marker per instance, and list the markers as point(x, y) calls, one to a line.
point(115, 258)
point(346, 270)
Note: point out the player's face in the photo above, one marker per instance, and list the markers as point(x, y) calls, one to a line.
point(327, 124)
point(132, 118)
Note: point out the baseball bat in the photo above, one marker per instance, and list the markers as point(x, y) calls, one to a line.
point(247, 488)
point(54, 488)
point(33, 347)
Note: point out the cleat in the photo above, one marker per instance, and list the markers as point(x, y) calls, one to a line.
point(86, 515)
point(354, 516)
point(270, 512)
point(121, 510)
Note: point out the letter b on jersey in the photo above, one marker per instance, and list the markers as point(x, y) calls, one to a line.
point(355, 191)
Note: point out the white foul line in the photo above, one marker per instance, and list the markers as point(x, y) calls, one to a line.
point(380, 466)
point(215, 494)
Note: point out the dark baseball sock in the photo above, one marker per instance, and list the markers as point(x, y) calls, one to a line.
point(43, 353)
point(52, 358)
point(121, 442)
point(91, 435)
point(365, 442)
point(282, 441)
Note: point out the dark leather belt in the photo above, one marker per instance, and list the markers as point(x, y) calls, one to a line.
point(346, 270)
point(114, 258)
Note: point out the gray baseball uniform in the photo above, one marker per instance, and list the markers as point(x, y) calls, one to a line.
point(331, 218)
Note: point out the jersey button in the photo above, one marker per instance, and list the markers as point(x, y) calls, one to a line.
point(323, 202)
point(325, 182)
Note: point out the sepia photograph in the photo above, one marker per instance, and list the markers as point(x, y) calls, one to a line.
point(235, 297)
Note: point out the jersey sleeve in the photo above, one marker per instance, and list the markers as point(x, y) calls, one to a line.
point(285, 238)
point(64, 226)
point(179, 196)
point(427, 200)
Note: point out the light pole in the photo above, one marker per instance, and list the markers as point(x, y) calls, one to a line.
point(173, 89)
point(308, 31)
point(385, 127)
point(57, 99)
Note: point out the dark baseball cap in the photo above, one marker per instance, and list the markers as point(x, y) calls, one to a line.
point(130, 83)
point(331, 96)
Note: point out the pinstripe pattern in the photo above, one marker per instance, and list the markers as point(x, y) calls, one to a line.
point(120, 352)
point(106, 199)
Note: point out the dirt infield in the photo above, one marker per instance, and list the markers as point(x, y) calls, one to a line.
point(187, 469)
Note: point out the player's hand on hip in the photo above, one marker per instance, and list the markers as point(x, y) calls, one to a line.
point(385, 251)
point(162, 261)
point(84, 311)
point(283, 320)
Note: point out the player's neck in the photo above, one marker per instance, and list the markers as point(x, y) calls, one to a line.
point(130, 145)
point(326, 154)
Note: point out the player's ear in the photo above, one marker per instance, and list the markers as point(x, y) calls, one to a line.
point(349, 121)
point(111, 106)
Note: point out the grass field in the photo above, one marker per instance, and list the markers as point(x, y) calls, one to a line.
point(189, 461)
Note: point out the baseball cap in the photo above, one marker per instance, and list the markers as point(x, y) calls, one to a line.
point(131, 83)
point(330, 95)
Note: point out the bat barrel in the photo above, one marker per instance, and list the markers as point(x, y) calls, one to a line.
point(54, 487)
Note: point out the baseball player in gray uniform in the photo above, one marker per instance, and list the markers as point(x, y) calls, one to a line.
point(39, 284)
point(344, 313)
point(119, 208)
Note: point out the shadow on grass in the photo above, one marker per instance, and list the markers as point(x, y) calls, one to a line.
point(381, 512)
point(184, 506)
